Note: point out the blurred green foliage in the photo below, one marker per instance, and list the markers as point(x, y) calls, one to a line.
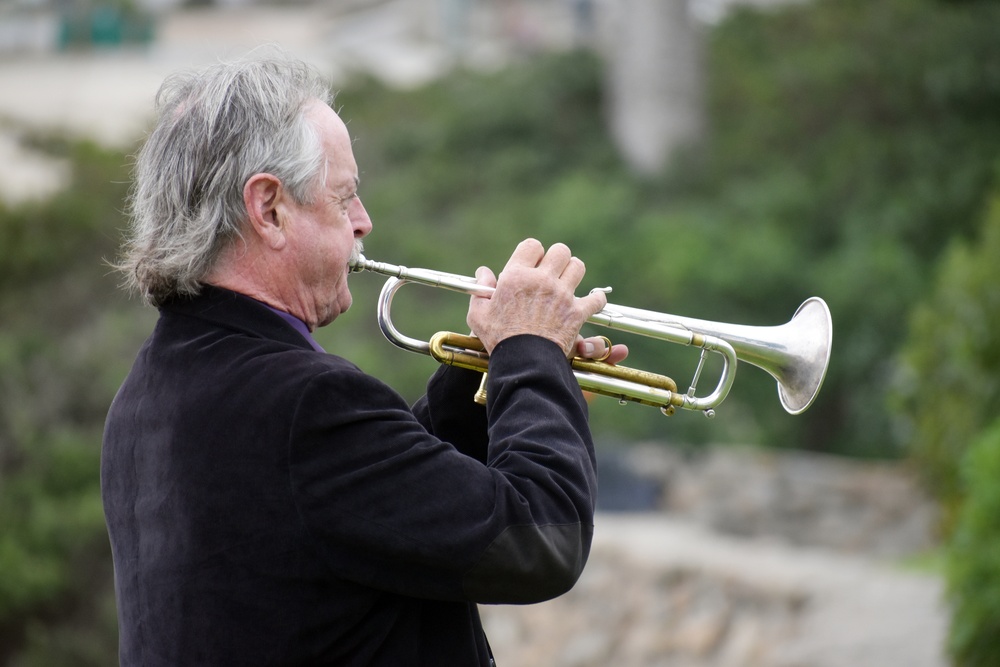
point(947, 394)
point(948, 387)
point(66, 339)
point(850, 141)
point(974, 559)
point(852, 146)
point(865, 135)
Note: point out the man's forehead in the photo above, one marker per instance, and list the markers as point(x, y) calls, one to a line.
point(337, 144)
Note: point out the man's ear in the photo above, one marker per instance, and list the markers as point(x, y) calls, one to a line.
point(261, 196)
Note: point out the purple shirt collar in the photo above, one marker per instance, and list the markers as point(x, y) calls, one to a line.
point(299, 326)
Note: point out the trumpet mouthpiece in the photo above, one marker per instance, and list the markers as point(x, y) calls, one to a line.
point(356, 263)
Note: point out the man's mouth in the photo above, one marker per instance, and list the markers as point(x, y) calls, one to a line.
point(356, 254)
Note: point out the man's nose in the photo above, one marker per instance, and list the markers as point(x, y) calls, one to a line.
point(359, 217)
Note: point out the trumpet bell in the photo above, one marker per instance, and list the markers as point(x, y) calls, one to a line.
point(796, 354)
point(802, 364)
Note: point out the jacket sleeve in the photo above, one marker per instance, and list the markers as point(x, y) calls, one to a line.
point(394, 507)
point(449, 412)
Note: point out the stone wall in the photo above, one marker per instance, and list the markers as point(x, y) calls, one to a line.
point(630, 614)
point(749, 559)
point(802, 498)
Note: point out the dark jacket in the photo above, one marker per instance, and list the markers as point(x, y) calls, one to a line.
point(268, 504)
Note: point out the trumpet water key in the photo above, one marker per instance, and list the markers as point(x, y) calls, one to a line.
point(796, 354)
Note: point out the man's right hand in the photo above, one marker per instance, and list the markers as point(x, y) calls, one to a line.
point(534, 295)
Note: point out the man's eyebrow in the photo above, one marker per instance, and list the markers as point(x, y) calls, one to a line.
point(355, 182)
point(352, 193)
point(356, 185)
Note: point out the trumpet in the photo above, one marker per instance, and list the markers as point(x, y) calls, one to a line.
point(796, 354)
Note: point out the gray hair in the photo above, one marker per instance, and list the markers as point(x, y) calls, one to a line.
point(215, 129)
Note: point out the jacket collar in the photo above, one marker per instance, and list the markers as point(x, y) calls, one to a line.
point(233, 310)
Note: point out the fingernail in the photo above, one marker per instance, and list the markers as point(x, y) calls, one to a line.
point(588, 349)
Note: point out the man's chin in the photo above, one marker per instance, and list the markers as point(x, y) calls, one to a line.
point(336, 310)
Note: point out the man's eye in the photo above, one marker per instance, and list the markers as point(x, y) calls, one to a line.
point(345, 202)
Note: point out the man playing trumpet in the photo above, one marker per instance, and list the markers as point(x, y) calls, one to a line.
point(269, 503)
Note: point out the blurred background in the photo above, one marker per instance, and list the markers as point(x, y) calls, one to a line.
point(715, 159)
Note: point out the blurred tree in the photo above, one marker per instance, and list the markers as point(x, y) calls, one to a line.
point(849, 142)
point(973, 567)
point(66, 339)
point(856, 133)
point(948, 389)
